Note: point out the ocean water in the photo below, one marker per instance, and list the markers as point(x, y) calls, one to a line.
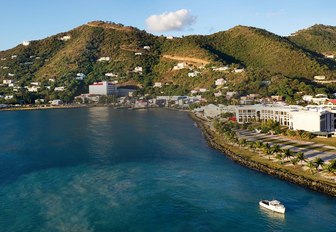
point(99, 169)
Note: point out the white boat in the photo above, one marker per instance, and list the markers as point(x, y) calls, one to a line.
point(273, 205)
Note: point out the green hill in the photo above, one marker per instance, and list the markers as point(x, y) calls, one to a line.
point(318, 38)
point(261, 49)
point(263, 55)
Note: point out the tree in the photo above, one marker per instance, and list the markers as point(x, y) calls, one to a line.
point(276, 148)
point(258, 144)
point(331, 166)
point(279, 156)
point(287, 153)
point(300, 157)
point(318, 162)
point(311, 166)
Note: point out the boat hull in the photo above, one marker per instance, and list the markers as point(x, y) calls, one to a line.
point(273, 208)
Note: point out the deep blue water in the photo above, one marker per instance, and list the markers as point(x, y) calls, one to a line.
point(100, 169)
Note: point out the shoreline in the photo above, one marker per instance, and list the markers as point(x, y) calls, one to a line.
point(281, 173)
point(44, 108)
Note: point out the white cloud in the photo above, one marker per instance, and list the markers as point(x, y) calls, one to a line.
point(170, 21)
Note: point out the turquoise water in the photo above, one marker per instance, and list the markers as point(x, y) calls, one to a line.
point(100, 169)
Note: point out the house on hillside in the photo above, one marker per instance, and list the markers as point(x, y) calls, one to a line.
point(111, 75)
point(230, 95)
point(60, 88)
point(25, 43)
point(319, 78)
point(56, 102)
point(65, 38)
point(137, 69)
point(6, 81)
point(104, 58)
point(220, 81)
point(193, 74)
point(238, 70)
point(223, 68)
point(146, 48)
point(180, 66)
point(157, 85)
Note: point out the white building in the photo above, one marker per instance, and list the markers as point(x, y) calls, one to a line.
point(218, 94)
point(137, 53)
point(56, 102)
point(180, 66)
point(319, 77)
point(60, 88)
point(35, 83)
point(157, 85)
point(230, 95)
point(203, 90)
point(25, 43)
point(138, 69)
point(51, 80)
point(65, 38)
point(103, 88)
point(8, 97)
point(315, 119)
point(6, 81)
point(111, 75)
point(238, 70)
point(33, 89)
point(224, 68)
point(193, 74)
point(104, 58)
point(169, 37)
point(146, 48)
point(220, 81)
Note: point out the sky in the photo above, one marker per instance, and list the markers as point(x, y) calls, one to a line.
point(25, 20)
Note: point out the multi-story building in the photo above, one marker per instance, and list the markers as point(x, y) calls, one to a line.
point(103, 88)
point(313, 119)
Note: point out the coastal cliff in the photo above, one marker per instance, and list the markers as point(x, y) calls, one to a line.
point(284, 174)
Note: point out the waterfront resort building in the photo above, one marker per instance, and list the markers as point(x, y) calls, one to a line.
point(103, 88)
point(312, 119)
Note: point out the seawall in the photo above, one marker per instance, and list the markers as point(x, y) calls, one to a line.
point(320, 186)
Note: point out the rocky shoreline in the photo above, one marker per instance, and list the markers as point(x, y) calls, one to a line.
point(283, 174)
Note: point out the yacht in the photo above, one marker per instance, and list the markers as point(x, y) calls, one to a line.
point(273, 205)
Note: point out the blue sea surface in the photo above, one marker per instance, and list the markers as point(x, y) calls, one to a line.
point(99, 169)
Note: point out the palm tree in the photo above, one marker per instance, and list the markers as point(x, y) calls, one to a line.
point(300, 156)
point(279, 156)
point(294, 161)
point(287, 153)
point(311, 165)
point(258, 144)
point(318, 162)
point(276, 148)
point(331, 166)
